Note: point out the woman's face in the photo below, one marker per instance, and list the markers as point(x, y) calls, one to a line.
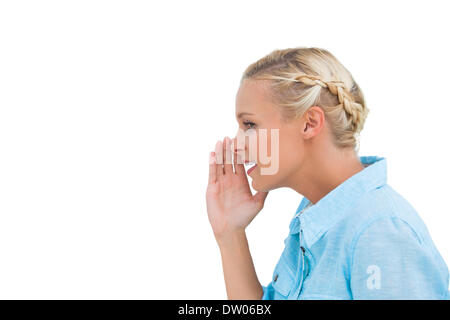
point(254, 110)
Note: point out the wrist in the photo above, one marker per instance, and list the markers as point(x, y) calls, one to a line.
point(231, 238)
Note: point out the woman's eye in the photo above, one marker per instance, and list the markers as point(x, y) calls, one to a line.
point(249, 124)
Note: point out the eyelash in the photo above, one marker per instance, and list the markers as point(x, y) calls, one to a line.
point(249, 123)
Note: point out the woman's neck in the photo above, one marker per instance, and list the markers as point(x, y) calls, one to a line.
point(321, 173)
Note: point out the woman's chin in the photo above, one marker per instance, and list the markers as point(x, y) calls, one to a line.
point(255, 186)
point(260, 187)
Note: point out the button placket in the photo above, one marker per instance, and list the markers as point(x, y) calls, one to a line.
point(294, 294)
point(303, 263)
point(299, 277)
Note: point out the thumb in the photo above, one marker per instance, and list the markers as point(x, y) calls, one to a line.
point(260, 196)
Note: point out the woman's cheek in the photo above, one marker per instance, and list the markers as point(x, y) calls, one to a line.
point(263, 157)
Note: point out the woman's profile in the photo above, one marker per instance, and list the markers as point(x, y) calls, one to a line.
point(352, 236)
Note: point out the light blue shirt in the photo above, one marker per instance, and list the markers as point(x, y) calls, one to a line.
point(362, 240)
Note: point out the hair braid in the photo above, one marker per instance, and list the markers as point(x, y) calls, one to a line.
point(314, 69)
point(354, 110)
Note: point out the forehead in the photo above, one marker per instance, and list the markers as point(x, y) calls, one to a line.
point(253, 97)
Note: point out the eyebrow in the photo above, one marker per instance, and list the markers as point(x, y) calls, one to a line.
point(243, 114)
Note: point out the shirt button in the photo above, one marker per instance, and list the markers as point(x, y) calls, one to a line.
point(275, 278)
point(303, 249)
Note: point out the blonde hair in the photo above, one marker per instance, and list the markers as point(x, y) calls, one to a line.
point(297, 79)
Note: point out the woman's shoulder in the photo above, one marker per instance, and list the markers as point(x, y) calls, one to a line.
point(383, 230)
point(382, 211)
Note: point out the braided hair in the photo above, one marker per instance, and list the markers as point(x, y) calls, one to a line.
point(303, 77)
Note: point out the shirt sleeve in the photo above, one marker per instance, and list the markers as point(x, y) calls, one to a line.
point(390, 261)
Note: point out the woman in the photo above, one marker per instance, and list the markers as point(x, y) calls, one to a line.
point(352, 236)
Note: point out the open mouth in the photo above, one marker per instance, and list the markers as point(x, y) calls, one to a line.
point(252, 166)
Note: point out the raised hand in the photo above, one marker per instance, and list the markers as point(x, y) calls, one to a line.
point(230, 203)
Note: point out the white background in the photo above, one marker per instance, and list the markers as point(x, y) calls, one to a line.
point(108, 110)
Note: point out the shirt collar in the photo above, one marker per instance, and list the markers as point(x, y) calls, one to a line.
point(321, 216)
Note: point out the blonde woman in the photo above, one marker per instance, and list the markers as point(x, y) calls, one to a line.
point(352, 236)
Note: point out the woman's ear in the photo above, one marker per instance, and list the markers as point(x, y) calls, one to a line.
point(314, 119)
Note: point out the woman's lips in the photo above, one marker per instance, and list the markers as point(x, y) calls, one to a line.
point(247, 163)
point(251, 169)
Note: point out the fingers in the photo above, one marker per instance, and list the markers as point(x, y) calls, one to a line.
point(219, 159)
point(223, 156)
point(238, 150)
point(238, 164)
point(212, 168)
point(228, 164)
